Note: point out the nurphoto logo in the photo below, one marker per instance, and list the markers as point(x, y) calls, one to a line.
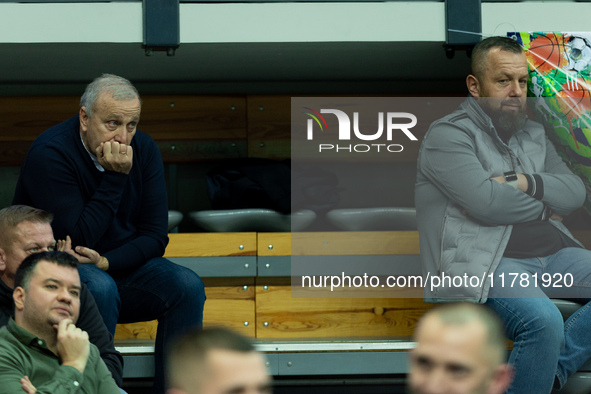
point(395, 122)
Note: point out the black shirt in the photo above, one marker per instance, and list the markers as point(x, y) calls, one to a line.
point(537, 238)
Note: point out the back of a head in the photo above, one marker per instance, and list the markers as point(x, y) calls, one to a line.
point(118, 87)
point(481, 50)
point(12, 216)
point(188, 354)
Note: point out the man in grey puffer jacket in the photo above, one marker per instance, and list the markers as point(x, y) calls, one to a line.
point(491, 193)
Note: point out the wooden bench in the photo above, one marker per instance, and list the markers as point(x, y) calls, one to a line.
point(248, 285)
point(247, 278)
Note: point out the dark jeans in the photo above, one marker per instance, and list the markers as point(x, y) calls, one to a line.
point(159, 289)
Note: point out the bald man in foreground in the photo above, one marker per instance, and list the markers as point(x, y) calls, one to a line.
point(216, 361)
point(461, 349)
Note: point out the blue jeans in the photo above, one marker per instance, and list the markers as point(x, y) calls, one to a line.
point(159, 289)
point(545, 348)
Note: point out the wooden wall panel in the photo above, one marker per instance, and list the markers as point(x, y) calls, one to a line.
point(187, 127)
point(175, 122)
point(24, 118)
point(269, 126)
point(163, 117)
point(194, 117)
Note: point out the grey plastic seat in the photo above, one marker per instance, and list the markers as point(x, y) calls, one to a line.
point(580, 382)
point(174, 218)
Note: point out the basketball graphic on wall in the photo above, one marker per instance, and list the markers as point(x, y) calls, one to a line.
point(560, 87)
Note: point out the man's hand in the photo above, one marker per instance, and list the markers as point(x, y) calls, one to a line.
point(114, 156)
point(73, 346)
point(28, 386)
point(556, 216)
point(84, 255)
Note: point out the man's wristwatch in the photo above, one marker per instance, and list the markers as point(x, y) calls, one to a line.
point(511, 178)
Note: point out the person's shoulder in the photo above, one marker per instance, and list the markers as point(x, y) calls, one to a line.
point(7, 338)
point(58, 134)
point(457, 120)
point(143, 138)
point(460, 115)
point(7, 343)
point(145, 148)
point(533, 126)
point(144, 142)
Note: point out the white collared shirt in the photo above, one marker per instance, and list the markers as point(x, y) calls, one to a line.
point(93, 157)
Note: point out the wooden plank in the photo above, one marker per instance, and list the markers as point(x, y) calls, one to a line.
point(281, 316)
point(338, 243)
point(211, 244)
point(140, 330)
point(181, 119)
point(189, 117)
point(269, 126)
point(262, 122)
point(13, 153)
point(24, 118)
point(230, 304)
point(187, 151)
point(274, 244)
point(163, 117)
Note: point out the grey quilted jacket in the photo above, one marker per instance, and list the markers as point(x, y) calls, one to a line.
point(465, 218)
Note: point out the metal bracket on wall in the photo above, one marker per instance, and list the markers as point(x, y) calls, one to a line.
point(463, 26)
point(161, 26)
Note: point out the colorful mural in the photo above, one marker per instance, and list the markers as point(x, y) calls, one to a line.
point(560, 83)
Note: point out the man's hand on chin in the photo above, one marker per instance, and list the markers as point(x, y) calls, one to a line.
point(114, 156)
point(73, 346)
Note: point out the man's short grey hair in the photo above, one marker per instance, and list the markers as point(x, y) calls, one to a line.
point(119, 88)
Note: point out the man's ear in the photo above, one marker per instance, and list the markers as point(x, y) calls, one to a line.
point(2, 259)
point(19, 296)
point(83, 119)
point(502, 378)
point(473, 85)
